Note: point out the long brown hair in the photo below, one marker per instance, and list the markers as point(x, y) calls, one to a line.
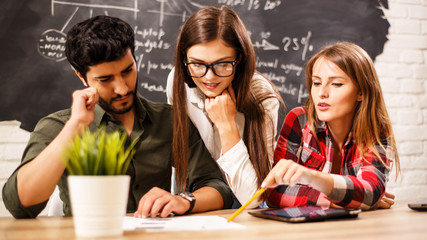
point(371, 120)
point(206, 25)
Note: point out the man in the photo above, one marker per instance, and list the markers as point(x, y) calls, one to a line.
point(101, 51)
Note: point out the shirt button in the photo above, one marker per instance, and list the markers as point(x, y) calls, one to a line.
point(136, 186)
point(309, 161)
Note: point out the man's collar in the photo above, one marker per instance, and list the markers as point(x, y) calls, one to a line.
point(101, 115)
point(141, 111)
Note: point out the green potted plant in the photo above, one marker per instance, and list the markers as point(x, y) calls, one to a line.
point(97, 182)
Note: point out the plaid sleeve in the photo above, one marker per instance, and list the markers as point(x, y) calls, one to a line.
point(298, 195)
point(364, 185)
point(289, 141)
point(288, 147)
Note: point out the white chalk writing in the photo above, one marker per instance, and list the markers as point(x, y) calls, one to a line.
point(153, 87)
point(302, 94)
point(124, 5)
point(291, 67)
point(52, 45)
point(232, 2)
point(265, 45)
point(150, 32)
point(149, 45)
point(139, 63)
point(293, 90)
point(269, 5)
point(268, 64)
point(287, 89)
point(273, 77)
point(161, 66)
point(251, 4)
point(295, 44)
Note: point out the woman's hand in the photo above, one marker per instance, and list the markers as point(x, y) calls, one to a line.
point(288, 172)
point(222, 108)
point(222, 112)
point(386, 201)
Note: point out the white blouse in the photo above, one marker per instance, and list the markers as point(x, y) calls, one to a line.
point(235, 163)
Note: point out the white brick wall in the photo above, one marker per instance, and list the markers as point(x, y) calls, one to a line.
point(403, 73)
point(12, 144)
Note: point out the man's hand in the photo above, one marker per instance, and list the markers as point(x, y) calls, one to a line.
point(82, 108)
point(158, 201)
point(37, 179)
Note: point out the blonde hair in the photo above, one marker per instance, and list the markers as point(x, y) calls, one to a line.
point(371, 120)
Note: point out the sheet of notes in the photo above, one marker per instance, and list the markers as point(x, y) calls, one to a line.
point(180, 223)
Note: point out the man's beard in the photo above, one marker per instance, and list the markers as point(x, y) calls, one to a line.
point(108, 106)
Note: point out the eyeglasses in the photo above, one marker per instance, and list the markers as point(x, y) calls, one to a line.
point(221, 69)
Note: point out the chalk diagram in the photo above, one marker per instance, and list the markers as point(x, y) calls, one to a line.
point(51, 44)
point(52, 41)
point(284, 35)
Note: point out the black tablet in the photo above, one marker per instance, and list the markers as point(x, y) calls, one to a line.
point(306, 214)
point(420, 205)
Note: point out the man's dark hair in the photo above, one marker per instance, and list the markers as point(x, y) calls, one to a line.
point(96, 40)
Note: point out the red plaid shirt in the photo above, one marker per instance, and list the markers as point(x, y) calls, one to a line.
point(361, 183)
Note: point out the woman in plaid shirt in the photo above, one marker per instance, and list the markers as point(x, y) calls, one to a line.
point(339, 148)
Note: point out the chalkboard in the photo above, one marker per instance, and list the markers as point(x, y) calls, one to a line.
point(36, 79)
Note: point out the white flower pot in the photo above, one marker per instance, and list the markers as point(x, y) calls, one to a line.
point(98, 204)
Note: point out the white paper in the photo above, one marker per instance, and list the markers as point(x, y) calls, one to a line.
point(183, 223)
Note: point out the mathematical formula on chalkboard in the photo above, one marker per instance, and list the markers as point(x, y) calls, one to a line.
point(284, 35)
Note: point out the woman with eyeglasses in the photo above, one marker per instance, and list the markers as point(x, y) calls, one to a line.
point(214, 84)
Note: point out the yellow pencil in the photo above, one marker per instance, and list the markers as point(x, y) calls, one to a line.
point(246, 204)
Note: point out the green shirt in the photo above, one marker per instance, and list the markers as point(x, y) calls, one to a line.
point(150, 167)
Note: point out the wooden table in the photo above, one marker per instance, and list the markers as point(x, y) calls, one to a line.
point(399, 222)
